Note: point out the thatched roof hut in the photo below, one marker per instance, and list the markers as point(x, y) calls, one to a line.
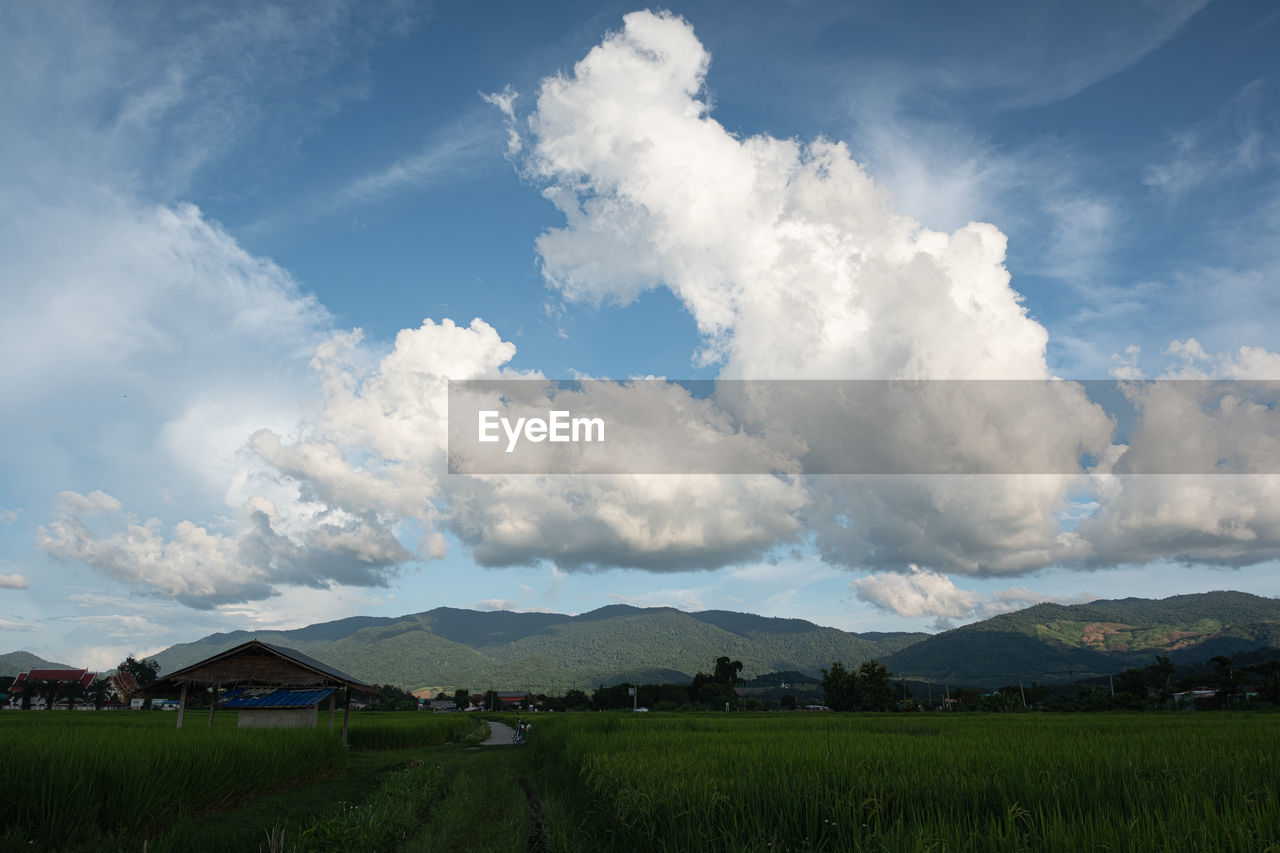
point(278, 686)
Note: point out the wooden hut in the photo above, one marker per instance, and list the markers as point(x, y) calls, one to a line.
point(270, 686)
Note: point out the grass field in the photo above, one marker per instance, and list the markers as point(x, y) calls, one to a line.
point(622, 782)
point(919, 782)
point(102, 780)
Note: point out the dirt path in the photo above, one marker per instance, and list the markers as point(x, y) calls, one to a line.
point(500, 734)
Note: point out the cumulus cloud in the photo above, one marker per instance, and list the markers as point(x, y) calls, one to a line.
point(204, 568)
point(922, 592)
point(14, 581)
point(681, 599)
point(795, 264)
point(381, 443)
point(788, 255)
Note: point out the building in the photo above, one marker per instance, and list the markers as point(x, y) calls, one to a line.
point(70, 679)
point(269, 685)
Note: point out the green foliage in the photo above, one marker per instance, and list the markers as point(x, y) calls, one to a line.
point(867, 689)
point(1055, 643)
point(416, 729)
point(384, 820)
point(71, 777)
point(914, 782)
point(552, 653)
point(143, 671)
point(393, 699)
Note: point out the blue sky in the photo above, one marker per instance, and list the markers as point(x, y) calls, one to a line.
point(199, 206)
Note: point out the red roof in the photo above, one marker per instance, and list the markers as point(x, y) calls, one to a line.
point(61, 675)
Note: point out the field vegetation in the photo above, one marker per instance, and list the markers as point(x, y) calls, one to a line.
point(837, 782)
point(96, 781)
point(617, 781)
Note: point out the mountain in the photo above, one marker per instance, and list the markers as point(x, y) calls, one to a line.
point(17, 662)
point(551, 652)
point(447, 648)
point(1054, 643)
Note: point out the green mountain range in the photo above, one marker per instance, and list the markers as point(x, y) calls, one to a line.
point(1055, 643)
point(448, 648)
point(547, 652)
point(17, 662)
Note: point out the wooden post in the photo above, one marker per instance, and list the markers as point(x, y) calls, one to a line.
point(213, 700)
point(346, 712)
point(182, 703)
point(333, 700)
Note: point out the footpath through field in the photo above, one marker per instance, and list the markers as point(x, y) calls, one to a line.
point(500, 734)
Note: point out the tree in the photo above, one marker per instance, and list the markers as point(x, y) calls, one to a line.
point(875, 693)
point(577, 700)
point(394, 699)
point(727, 671)
point(462, 698)
point(99, 692)
point(50, 689)
point(71, 691)
point(143, 671)
point(132, 675)
point(839, 688)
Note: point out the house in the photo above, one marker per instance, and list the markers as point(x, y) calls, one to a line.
point(269, 685)
point(70, 680)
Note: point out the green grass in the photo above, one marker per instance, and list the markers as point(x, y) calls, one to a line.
point(913, 782)
point(692, 782)
point(100, 781)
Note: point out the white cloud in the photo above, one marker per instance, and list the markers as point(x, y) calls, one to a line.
point(794, 264)
point(1230, 145)
point(497, 604)
point(8, 516)
point(9, 625)
point(689, 600)
point(204, 568)
point(788, 255)
point(919, 593)
point(14, 581)
point(922, 592)
point(463, 146)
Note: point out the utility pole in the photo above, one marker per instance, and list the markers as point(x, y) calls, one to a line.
point(1024, 693)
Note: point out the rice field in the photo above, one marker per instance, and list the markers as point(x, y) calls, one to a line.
point(666, 782)
point(70, 778)
point(813, 782)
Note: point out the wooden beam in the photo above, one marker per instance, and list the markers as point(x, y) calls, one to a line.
point(333, 701)
point(346, 712)
point(213, 700)
point(182, 704)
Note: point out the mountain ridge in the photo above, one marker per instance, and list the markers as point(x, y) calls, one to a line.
point(449, 648)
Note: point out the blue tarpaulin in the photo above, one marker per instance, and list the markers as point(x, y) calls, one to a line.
point(276, 698)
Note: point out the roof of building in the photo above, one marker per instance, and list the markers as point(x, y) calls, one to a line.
point(256, 663)
point(66, 676)
point(263, 698)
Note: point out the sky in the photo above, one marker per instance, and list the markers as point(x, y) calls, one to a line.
point(245, 246)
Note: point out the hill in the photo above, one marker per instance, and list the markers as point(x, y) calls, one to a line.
point(1054, 643)
point(548, 652)
point(16, 662)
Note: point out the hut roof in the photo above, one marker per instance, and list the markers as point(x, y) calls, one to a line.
point(65, 676)
point(262, 664)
